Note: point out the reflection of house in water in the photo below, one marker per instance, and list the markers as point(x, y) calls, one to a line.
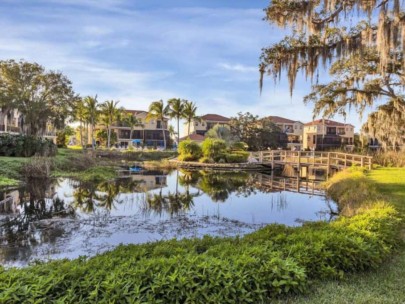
point(150, 180)
point(9, 201)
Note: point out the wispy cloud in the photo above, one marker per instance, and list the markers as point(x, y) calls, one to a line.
point(238, 68)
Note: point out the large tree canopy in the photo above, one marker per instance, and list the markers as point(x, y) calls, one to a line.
point(361, 41)
point(39, 96)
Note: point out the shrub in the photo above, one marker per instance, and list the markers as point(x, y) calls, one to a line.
point(206, 160)
point(239, 146)
point(26, 146)
point(237, 157)
point(214, 148)
point(40, 167)
point(390, 159)
point(189, 150)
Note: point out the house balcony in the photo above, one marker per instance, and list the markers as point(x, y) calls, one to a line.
point(10, 129)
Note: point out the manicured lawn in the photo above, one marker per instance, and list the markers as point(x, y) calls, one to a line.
point(385, 285)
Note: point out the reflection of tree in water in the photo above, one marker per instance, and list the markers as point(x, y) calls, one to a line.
point(220, 185)
point(27, 228)
point(170, 203)
point(88, 196)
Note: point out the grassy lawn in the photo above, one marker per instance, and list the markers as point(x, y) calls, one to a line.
point(386, 285)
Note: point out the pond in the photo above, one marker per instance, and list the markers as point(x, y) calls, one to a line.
point(64, 218)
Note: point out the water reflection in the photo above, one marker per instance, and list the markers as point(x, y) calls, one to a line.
point(51, 215)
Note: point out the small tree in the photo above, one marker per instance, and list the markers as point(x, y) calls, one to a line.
point(214, 148)
point(157, 110)
point(189, 151)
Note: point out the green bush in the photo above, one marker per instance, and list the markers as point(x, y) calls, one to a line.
point(26, 146)
point(214, 148)
point(206, 160)
point(239, 146)
point(237, 157)
point(189, 150)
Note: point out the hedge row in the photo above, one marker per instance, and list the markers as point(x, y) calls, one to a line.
point(252, 269)
point(212, 151)
point(26, 146)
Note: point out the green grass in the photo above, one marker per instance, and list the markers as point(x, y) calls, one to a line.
point(10, 167)
point(382, 286)
point(6, 182)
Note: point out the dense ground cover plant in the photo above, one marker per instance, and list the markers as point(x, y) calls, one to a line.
point(25, 146)
point(270, 262)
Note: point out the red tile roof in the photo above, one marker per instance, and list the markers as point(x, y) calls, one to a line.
point(136, 111)
point(215, 118)
point(194, 136)
point(327, 122)
point(278, 119)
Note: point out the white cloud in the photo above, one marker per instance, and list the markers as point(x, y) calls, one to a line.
point(238, 67)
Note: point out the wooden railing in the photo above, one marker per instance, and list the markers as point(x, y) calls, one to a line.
point(327, 159)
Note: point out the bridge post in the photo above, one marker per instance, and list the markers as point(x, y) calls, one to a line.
point(328, 168)
point(299, 163)
point(261, 156)
point(362, 161)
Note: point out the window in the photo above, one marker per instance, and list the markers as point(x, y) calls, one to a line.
point(196, 124)
point(203, 124)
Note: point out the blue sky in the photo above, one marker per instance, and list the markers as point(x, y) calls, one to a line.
point(140, 51)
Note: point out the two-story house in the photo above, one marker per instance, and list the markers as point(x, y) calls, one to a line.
point(292, 128)
point(147, 133)
point(204, 123)
point(12, 122)
point(324, 134)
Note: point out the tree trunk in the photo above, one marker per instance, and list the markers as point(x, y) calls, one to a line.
point(189, 123)
point(130, 136)
point(93, 144)
point(164, 134)
point(108, 137)
point(178, 131)
point(81, 134)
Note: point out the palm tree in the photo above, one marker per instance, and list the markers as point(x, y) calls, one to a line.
point(92, 113)
point(176, 110)
point(80, 115)
point(157, 111)
point(172, 132)
point(131, 121)
point(189, 113)
point(111, 112)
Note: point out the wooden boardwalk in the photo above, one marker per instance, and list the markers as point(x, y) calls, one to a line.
point(323, 160)
point(277, 183)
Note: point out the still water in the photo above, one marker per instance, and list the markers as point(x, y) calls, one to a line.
point(64, 218)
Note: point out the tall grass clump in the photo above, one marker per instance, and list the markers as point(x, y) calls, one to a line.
point(390, 159)
point(40, 167)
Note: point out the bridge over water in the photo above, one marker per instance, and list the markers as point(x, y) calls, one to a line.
point(328, 161)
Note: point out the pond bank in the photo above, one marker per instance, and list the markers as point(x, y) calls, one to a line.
point(162, 271)
point(216, 166)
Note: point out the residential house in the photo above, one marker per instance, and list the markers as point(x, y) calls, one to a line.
point(194, 137)
point(324, 134)
point(10, 122)
point(148, 133)
point(13, 123)
point(292, 128)
point(206, 122)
